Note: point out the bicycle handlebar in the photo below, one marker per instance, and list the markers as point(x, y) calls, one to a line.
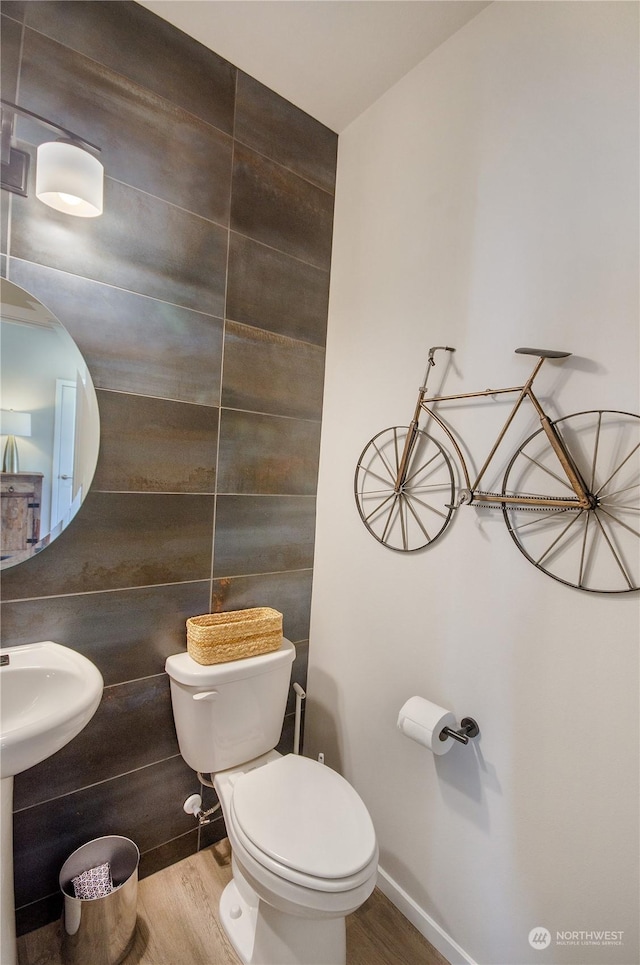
point(437, 348)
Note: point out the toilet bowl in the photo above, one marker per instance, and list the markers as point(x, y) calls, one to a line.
point(304, 850)
point(304, 856)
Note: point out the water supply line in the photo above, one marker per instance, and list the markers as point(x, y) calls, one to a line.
point(300, 696)
point(193, 805)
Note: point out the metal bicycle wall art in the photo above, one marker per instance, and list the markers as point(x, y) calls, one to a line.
point(570, 495)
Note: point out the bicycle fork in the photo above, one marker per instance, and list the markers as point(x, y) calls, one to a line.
point(410, 441)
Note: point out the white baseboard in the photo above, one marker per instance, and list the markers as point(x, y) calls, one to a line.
point(418, 917)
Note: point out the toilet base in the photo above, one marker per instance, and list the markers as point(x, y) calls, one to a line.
point(262, 935)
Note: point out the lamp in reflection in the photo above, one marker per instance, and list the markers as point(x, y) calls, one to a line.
point(69, 176)
point(13, 424)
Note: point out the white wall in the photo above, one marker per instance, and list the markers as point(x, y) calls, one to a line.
point(488, 200)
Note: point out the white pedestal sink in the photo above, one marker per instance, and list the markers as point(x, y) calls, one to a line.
point(48, 693)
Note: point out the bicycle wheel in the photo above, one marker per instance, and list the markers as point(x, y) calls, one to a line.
point(595, 549)
point(417, 514)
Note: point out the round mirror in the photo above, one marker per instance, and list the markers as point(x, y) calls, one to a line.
point(49, 426)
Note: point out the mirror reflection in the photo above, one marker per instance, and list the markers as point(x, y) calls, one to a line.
point(49, 426)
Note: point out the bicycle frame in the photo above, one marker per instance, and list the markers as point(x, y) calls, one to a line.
point(471, 493)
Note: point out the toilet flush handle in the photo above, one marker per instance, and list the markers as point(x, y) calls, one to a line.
point(206, 695)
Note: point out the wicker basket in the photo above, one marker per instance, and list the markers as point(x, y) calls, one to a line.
point(219, 637)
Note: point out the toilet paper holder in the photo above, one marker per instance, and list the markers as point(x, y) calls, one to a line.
point(468, 728)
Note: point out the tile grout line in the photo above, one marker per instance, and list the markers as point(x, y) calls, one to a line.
point(185, 308)
point(222, 353)
point(106, 780)
point(152, 586)
point(204, 405)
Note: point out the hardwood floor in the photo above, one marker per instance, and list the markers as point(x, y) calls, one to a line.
point(178, 924)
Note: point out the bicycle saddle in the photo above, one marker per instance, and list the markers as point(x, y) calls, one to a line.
point(543, 353)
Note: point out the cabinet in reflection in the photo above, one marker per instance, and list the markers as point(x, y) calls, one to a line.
point(20, 500)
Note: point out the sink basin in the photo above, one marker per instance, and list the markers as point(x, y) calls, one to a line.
point(48, 694)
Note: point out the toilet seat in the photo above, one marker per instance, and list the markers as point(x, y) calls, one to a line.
point(310, 883)
point(302, 821)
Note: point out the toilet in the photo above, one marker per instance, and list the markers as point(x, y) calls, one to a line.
point(304, 850)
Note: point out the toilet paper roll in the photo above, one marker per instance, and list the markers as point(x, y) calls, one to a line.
point(423, 722)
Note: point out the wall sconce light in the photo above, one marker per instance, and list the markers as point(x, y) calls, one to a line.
point(69, 176)
point(13, 424)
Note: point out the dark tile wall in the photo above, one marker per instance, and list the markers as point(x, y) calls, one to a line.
point(199, 301)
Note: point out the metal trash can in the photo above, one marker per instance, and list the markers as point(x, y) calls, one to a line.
point(101, 930)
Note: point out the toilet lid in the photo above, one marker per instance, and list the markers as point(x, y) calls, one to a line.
point(305, 816)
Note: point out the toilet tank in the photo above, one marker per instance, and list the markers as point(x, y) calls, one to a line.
point(229, 713)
